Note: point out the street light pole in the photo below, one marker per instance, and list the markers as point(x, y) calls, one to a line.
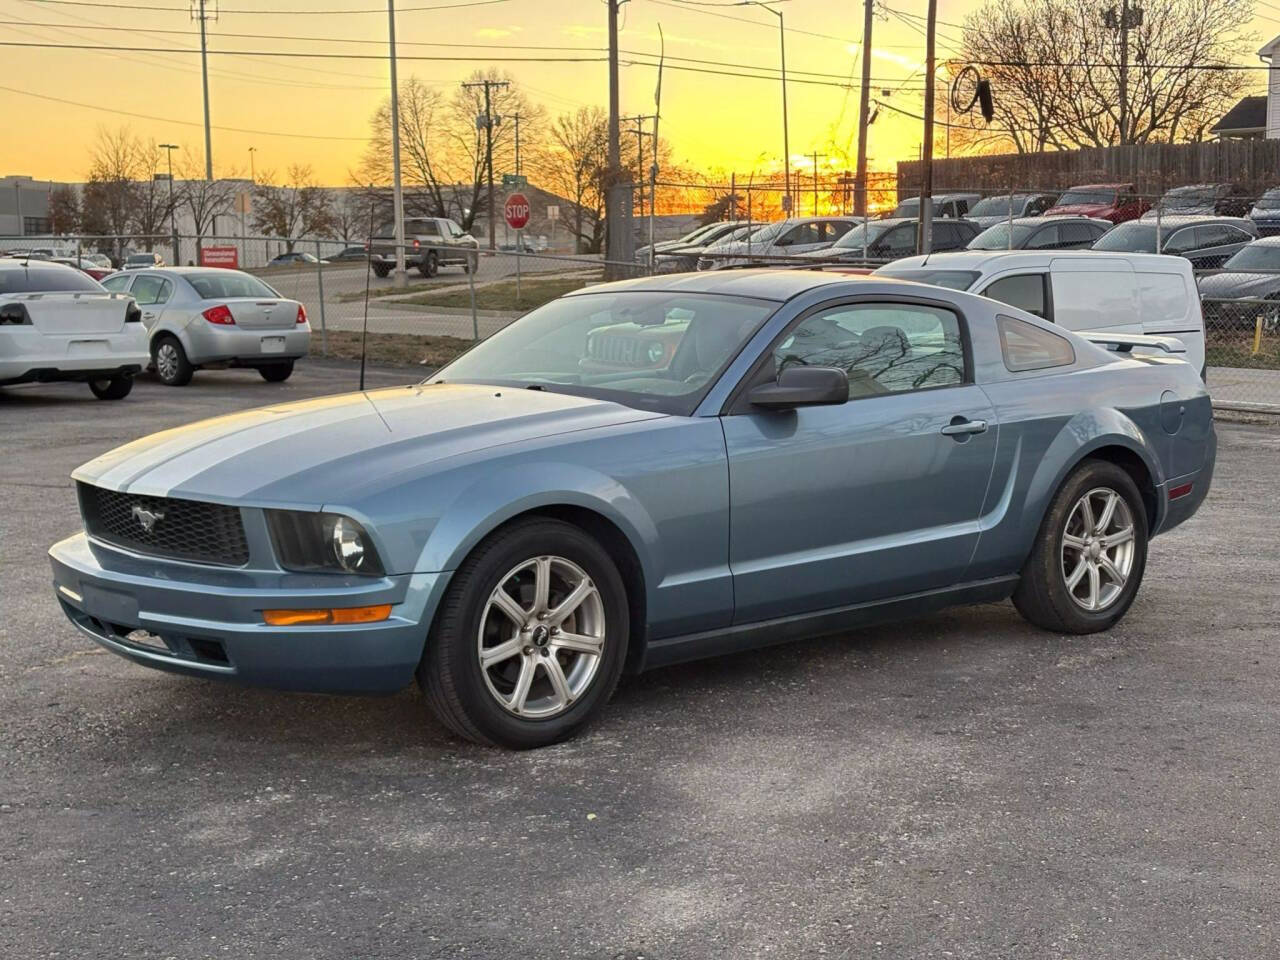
point(173, 209)
point(397, 194)
point(786, 135)
point(253, 177)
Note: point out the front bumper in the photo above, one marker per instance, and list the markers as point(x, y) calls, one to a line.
point(210, 619)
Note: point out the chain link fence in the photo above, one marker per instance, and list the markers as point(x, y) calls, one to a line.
point(436, 311)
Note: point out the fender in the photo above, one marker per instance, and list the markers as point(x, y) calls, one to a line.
point(482, 507)
point(1082, 435)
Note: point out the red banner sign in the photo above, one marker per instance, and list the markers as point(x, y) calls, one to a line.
point(219, 257)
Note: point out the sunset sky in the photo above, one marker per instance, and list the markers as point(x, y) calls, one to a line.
point(711, 121)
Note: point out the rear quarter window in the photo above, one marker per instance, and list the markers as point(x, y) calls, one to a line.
point(1028, 347)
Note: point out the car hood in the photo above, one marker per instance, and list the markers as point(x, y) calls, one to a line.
point(1231, 285)
point(328, 450)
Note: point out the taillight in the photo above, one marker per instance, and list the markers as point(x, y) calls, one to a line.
point(416, 243)
point(221, 314)
point(302, 314)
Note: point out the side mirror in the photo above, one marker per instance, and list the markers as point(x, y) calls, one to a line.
point(802, 387)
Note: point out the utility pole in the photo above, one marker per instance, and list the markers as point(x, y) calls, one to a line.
point(487, 121)
point(203, 15)
point(613, 216)
point(641, 133)
point(397, 190)
point(173, 209)
point(926, 148)
point(864, 105)
point(517, 118)
point(1127, 19)
point(815, 156)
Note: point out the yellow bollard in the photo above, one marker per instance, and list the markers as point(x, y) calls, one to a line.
point(1257, 336)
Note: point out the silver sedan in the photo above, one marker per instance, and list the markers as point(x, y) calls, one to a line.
point(206, 316)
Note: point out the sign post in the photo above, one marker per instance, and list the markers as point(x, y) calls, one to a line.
point(516, 212)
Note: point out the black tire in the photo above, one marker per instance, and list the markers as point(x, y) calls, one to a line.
point(1042, 595)
point(470, 264)
point(429, 266)
point(381, 271)
point(277, 372)
point(450, 673)
point(175, 370)
point(116, 388)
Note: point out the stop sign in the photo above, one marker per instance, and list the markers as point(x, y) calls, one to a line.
point(516, 210)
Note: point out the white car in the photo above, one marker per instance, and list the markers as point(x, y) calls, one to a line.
point(778, 240)
point(1081, 290)
point(58, 324)
point(214, 317)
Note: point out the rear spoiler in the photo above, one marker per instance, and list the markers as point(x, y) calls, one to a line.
point(1125, 342)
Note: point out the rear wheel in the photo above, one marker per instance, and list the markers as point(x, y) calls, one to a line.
point(276, 372)
point(381, 270)
point(530, 639)
point(1089, 555)
point(429, 266)
point(114, 388)
point(171, 363)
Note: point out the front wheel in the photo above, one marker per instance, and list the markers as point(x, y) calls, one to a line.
point(1089, 555)
point(530, 638)
point(114, 388)
point(429, 266)
point(276, 372)
point(381, 271)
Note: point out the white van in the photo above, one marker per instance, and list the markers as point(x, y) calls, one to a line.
point(1078, 289)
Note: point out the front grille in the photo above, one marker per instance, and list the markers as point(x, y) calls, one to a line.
point(620, 350)
point(182, 529)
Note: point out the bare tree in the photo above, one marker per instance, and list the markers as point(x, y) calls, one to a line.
point(355, 212)
point(1055, 71)
point(111, 190)
point(64, 209)
point(154, 199)
point(298, 207)
point(424, 144)
point(206, 200)
point(574, 166)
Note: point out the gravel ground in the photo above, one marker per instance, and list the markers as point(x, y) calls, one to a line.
point(958, 786)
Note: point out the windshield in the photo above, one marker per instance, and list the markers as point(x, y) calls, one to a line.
point(1269, 200)
point(768, 232)
point(1256, 256)
point(45, 277)
point(996, 236)
point(646, 349)
point(951, 279)
point(907, 208)
point(1103, 198)
point(998, 206)
point(220, 285)
point(854, 239)
point(1131, 237)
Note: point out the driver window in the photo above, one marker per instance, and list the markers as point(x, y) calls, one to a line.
point(801, 233)
point(884, 348)
point(898, 242)
point(147, 290)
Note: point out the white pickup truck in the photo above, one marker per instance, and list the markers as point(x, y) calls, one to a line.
point(58, 324)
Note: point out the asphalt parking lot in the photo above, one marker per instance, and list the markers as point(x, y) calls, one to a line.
point(958, 786)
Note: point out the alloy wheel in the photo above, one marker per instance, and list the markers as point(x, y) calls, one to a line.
point(167, 361)
point(541, 637)
point(1098, 549)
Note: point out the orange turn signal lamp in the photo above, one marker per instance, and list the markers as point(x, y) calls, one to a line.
point(295, 618)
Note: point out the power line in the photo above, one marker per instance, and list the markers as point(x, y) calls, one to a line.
point(185, 123)
point(291, 13)
point(756, 23)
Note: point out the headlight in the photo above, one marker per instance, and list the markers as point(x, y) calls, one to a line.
point(322, 542)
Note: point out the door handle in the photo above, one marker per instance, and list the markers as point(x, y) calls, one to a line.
point(960, 427)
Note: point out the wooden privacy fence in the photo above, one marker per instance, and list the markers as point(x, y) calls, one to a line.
point(1151, 167)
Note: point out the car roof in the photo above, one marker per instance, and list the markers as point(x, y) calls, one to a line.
point(20, 263)
point(991, 260)
point(1055, 218)
point(758, 284)
point(1098, 186)
point(1189, 219)
point(1271, 241)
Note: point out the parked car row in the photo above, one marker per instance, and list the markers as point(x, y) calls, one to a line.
point(58, 323)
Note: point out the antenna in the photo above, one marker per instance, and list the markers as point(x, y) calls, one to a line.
point(368, 272)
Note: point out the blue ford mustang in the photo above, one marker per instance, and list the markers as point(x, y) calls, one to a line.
point(638, 474)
